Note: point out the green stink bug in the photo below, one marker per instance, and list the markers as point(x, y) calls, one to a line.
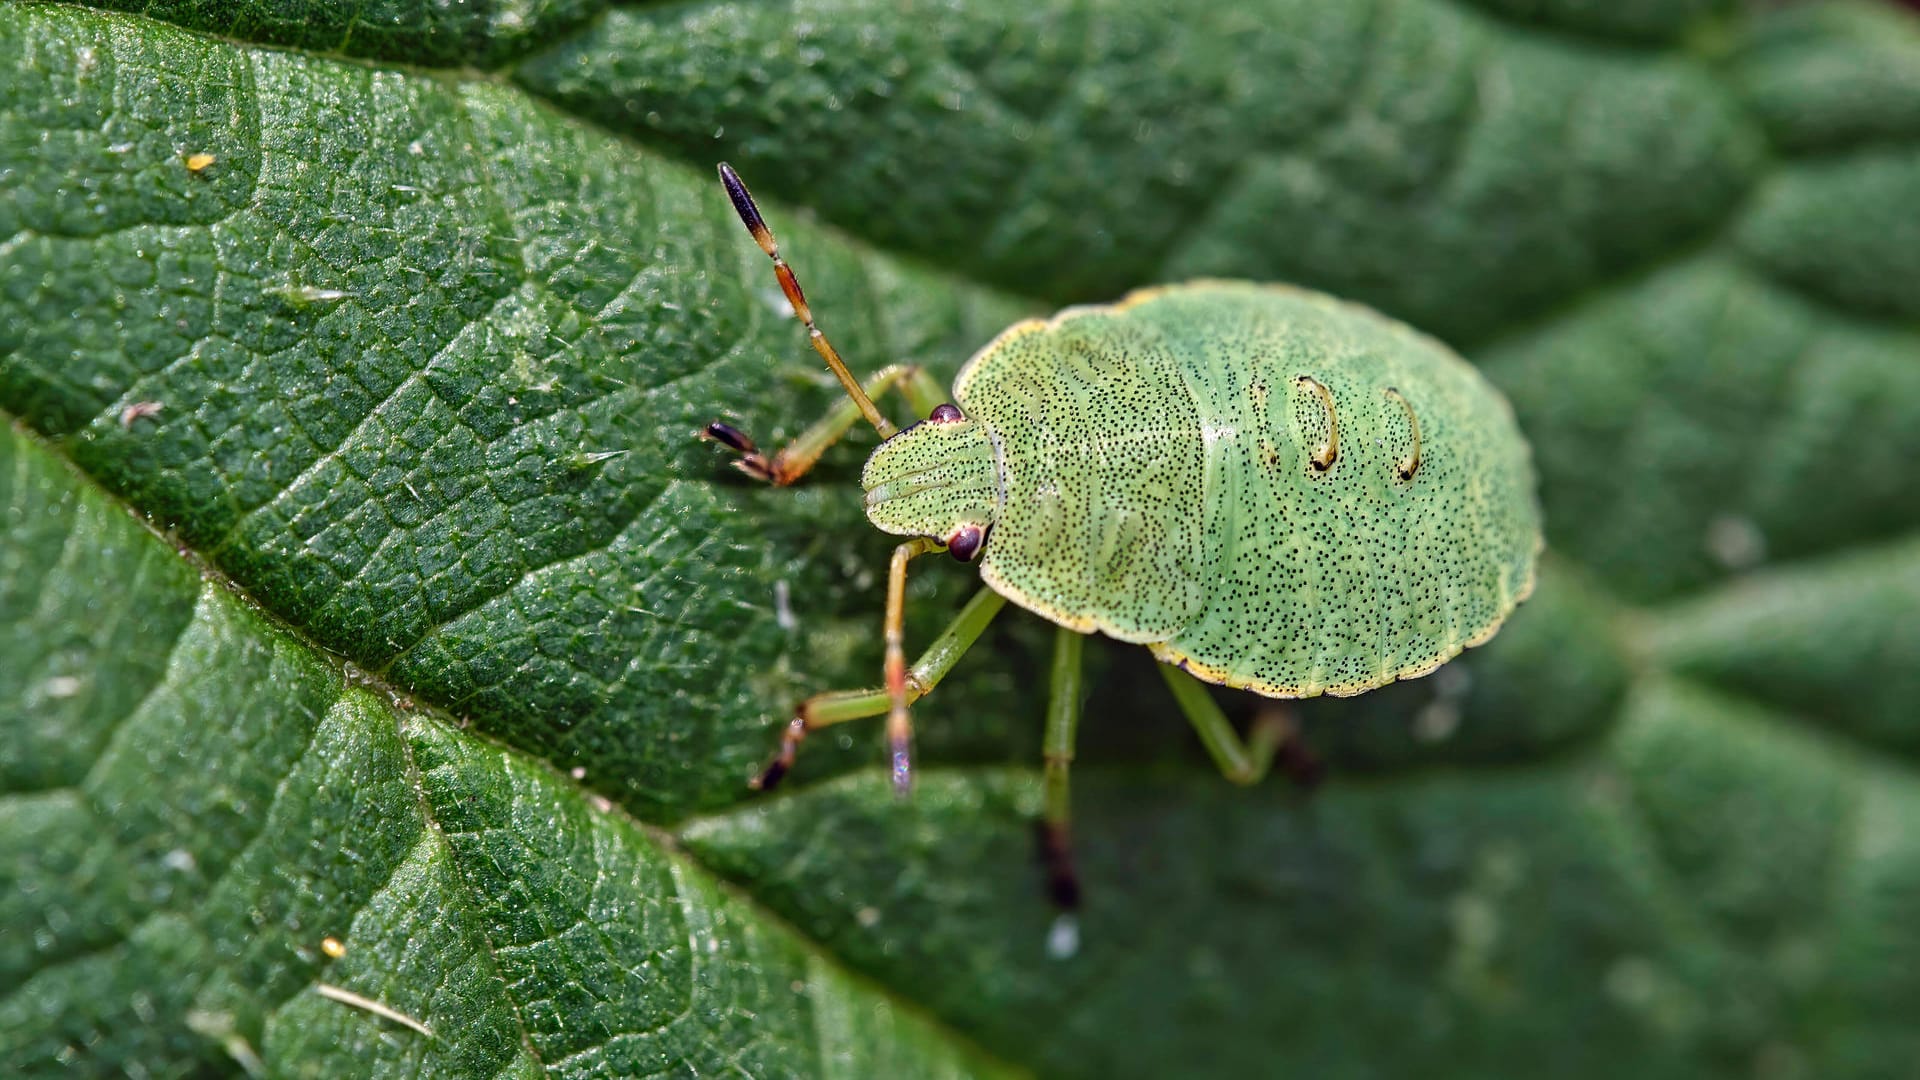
point(1269, 488)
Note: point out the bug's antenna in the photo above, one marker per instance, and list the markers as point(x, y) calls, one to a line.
point(757, 225)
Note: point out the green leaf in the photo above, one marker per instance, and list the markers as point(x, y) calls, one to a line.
point(360, 578)
point(167, 884)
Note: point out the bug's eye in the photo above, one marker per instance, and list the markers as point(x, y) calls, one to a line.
point(965, 542)
point(945, 413)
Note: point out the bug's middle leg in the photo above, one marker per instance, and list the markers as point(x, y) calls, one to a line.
point(837, 706)
point(922, 391)
point(1063, 721)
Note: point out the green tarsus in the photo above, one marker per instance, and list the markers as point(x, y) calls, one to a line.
point(1241, 762)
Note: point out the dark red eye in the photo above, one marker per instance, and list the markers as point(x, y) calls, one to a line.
point(965, 542)
point(945, 413)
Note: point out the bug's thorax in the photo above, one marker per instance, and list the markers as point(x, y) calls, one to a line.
point(933, 479)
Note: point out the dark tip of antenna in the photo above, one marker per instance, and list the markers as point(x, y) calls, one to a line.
point(743, 205)
point(729, 436)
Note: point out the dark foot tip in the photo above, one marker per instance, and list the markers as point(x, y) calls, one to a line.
point(1064, 891)
point(756, 466)
point(1302, 766)
point(1055, 848)
point(769, 778)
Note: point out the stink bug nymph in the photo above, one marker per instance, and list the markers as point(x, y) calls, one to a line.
point(1269, 488)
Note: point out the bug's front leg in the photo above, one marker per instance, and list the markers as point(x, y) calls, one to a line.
point(837, 706)
point(922, 391)
point(899, 720)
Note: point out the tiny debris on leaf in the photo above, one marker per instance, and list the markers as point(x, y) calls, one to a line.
point(137, 410)
point(783, 615)
point(348, 997)
point(307, 295)
point(61, 686)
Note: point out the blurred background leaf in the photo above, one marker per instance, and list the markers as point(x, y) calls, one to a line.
point(433, 631)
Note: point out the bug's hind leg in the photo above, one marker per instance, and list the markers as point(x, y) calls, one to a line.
point(1295, 758)
point(923, 394)
point(1063, 721)
point(836, 706)
point(1243, 762)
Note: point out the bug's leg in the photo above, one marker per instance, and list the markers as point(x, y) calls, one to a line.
point(833, 707)
point(750, 217)
point(1063, 720)
point(899, 720)
point(752, 461)
point(1294, 756)
point(1241, 762)
point(921, 390)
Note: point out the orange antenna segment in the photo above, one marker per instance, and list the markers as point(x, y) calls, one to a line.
point(757, 225)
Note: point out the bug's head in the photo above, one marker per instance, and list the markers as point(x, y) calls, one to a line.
point(935, 479)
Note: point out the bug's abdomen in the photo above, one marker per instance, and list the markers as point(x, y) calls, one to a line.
point(1277, 490)
point(1374, 507)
